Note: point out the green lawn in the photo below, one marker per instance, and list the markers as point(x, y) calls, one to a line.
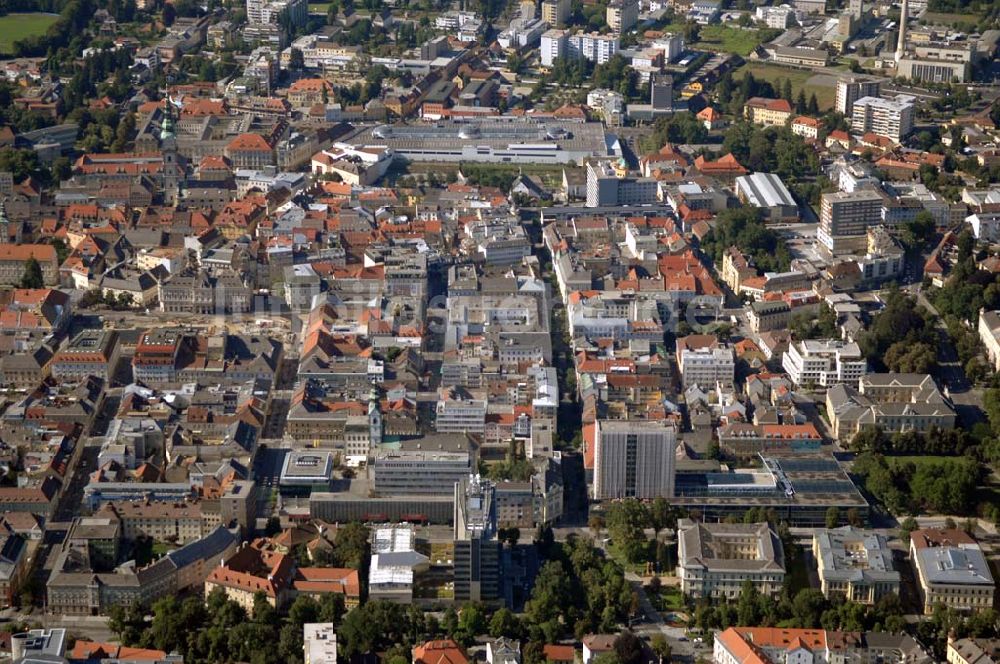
point(18, 26)
point(618, 556)
point(918, 460)
point(966, 21)
point(722, 38)
point(319, 8)
point(802, 79)
point(731, 40)
point(671, 599)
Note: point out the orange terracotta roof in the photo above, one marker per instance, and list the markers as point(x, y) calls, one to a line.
point(780, 105)
point(249, 143)
point(444, 651)
point(559, 653)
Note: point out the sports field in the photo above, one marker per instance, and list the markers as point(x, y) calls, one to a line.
point(18, 26)
point(823, 85)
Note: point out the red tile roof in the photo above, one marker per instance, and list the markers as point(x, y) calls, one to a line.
point(780, 105)
point(249, 143)
point(444, 651)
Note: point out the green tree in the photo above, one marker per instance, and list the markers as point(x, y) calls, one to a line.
point(626, 521)
point(350, 545)
point(813, 108)
point(743, 228)
point(303, 610)
point(658, 644)
point(900, 320)
point(331, 608)
point(748, 604)
point(32, 277)
point(628, 648)
point(906, 357)
point(505, 623)
point(832, 517)
point(918, 232)
point(808, 607)
point(800, 102)
point(661, 514)
point(471, 622)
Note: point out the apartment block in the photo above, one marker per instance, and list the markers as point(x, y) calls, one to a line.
point(14, 258)
point(824, 362)
point(776, 645)
point(845, 218)
point(593, 46)
point(460, 415)
point(892, 118)
point(622, 15)
point(319, 643)
point(634, 459)
point(851, 89)
point(767, 315)
point(556, 12)
point(707, 366)
point(89, 353)
point(608, 184)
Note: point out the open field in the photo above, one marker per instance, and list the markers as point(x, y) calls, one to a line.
point(721, 38)
point(319, 8)
point(917, 460)
point(670, 599)
point(823, 85)
point(731, 40)
point(967, 21)
point(14, 27)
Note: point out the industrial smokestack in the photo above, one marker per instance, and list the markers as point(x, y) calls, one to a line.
point(901, 45)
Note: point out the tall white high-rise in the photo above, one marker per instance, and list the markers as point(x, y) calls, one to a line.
point(634, 459)
point(850, 89)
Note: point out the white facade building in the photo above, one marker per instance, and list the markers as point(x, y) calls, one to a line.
point(825, 363)
point(672, 46)
point(851, 89)
point(592, 46)
point(460, 415)
point(707, 366)
point(608, 183)
point(319, 643)
point(892, 118)
point(634, 458)
point(780, 17)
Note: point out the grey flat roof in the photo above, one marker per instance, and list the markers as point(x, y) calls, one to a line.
point(497, 133)
point(856, 555)
point(765, 190)
point(954, 565)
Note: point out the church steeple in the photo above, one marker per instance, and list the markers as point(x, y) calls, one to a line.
point(374, 419)
point(4, 223)
point(173, 172)
point(167, 128)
